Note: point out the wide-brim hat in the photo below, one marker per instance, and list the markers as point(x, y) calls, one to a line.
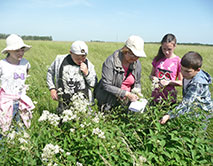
point(79, 48)
point(14, 42)
point(136, 45)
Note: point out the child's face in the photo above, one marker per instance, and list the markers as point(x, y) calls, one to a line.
point(78, 59)
point(168, 49)
point(188, 73)
point(16, 55)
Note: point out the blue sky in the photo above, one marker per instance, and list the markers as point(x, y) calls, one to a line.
point(109, 20)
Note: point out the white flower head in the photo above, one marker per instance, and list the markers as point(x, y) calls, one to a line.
point(96, 119)
point(72, 130)
point(49, 151)
point(98, 132)
point(44, 116)
point(22, 140)
point(79, 164)
point(142, 159)
point(11, 135)
point(68, 115)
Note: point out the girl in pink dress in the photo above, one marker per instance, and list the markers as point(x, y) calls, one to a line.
point(166, 73)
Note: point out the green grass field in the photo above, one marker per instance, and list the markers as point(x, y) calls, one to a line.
point(43, 53)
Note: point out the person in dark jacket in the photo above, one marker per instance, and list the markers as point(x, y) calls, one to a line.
point(121, 73)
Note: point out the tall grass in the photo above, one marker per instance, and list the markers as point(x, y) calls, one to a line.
point(42, 55)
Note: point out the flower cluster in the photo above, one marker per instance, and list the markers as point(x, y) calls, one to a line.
point(22, 137)
point(98, 132)
point(68, 115)
point(155, 83)
point(79, 102)
point(49, 151)
point(52, 118)
point(137, 91)
point(96, 119)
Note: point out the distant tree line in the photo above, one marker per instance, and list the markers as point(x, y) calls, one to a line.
point(183, 43)
point(4, 36)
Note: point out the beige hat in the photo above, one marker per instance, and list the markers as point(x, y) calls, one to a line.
point(79, 48)
point(14, 42)
point(136, 45)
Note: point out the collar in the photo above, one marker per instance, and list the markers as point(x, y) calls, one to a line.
point(118, 57)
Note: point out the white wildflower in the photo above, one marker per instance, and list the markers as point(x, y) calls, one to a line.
point(137, 91)
point(52, 118)
point(51, 164)
point(49, 151)
point(11, 135)
point(98, 132)
point(142, 159)
point(72, 130)
point(23, 148)
point(22, 140)
point(96, 119)
point(79, 164)
point(44, 116)
point(35, 102)
point(26, 135)
point(68, 115)
point(79, 102)
point(68, 153)
point(155, 83)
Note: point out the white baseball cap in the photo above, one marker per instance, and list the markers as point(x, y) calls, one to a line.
point(14, 42)
point(79, 48)
point(136, 45)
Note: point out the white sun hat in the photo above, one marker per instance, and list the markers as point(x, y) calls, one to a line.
point(136, 45)
point(14, 42)
point(79, 48)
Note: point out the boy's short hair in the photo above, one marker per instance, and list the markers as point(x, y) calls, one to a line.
point(192, 60)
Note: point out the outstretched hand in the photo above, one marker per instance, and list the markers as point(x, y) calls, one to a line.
point(164, 119)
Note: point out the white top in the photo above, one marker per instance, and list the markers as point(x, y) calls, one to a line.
point(12, 77)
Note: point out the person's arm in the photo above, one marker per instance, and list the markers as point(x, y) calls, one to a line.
point(51, 81)
point(184, 107)
point(173, 82)
point(152, 74)
point(176, 82)
point(89, 74)
point(108, 79)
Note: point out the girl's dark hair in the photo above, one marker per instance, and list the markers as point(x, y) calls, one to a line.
point(192, 60)
point(168, 38)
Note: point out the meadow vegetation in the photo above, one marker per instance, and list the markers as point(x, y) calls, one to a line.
point(83, 136)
